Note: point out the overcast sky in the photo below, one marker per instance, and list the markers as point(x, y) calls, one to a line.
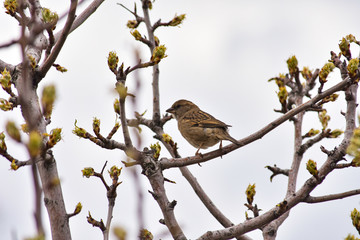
point(220, 58)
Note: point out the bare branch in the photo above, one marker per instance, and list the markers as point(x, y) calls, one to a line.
point(276, 171)
point(81, 18)
point(331, 197)
point(45, 66)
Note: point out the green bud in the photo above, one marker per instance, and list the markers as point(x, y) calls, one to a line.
point(177, 20)
point(47, 100)
point(34, 144)
point(167, 138)
point(352, 68)
point(3, 147)
point(312, 132)
point(325, 71)
point(355, 217)
point(158, 53)
point(49, 16)
point(54, 137)
point(96, 125)
point(120, 233)
point(113, 61)
point(5, 80)
point(88, 172)
point(282, 95)
point(117, 106)
point(156, 148)
point(145, 235)
point(324, 119)
point(32, 61)
point(132, 24)
point(115, 172)
point(311, 166)
point(250, 193)
point(336, 133)
point(78, 208)
point(10, 6)
point(5, 105)
point(13, 166)
point(80, 132)
point(122, 90)
point(136, 34)
point(344, 46)
point(306, 73)
point(60, 68)
point(13, 131)
point(292, 64)
point(351, 38)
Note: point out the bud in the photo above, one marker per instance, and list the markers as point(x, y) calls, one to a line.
point(325, 71)
point(344, 46)
point(311, 166)
point(324, 119)
point(13, 165)
point(34, 144)
point(336, 133)
point(96, 125)
point(156, 148)
point(115, 172)
point(312, 132)
point(10, 6)
point(47, 100)
point(78, 208)
point(3, 147)
point(177, 20)
point(132, 24)
point(355, 217)
point(282, 95)
point(145, 235)
point(122, 90)
point(113, 61)
point(5, 80)
point(13, 131)
point(54, 137)
point(352, 68)
point(117, 106)
point(158, 53)
point(167, 138)
point(306, 73)
point(88, 172)
point(80, 132)
point(292, 64)
point(5, 105)
point(136, 34)
point(49, 16)
point(250, 193)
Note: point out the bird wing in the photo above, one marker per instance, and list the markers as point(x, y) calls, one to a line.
point(203, 119)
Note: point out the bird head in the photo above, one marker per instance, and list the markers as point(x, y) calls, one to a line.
point(180, 107)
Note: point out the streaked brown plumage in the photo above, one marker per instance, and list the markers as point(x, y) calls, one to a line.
point(199, 128)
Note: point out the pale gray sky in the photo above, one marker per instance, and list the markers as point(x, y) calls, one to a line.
point(220, 58)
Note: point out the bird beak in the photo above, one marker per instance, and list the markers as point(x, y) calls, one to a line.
point(170, 110)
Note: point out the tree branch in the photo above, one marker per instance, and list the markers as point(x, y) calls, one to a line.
point(180, 162)
point(45, 66)
point(331, 197)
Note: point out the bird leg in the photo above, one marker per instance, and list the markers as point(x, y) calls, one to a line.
point(220, 147)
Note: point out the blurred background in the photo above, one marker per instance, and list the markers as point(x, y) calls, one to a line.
point(220, 58)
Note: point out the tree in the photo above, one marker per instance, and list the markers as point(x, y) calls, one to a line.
point(291, 92)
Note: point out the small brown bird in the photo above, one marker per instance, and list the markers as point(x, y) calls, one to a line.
point(199, 128)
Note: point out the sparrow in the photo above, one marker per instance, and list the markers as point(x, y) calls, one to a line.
point(199, 128)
